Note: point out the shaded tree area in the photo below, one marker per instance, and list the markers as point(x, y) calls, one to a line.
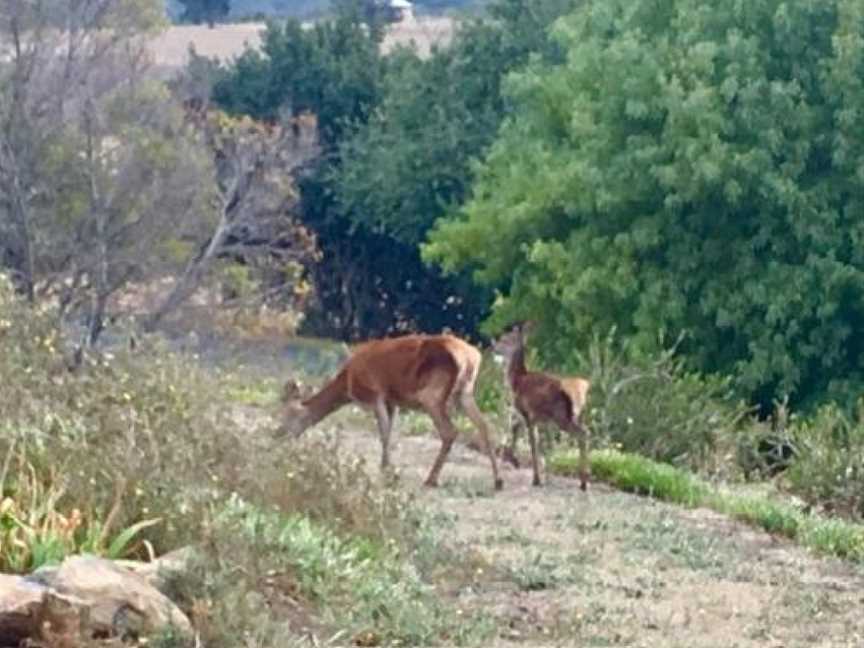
point(398, 134)
point(690, 167)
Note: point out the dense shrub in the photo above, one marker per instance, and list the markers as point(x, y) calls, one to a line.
point(135, 438)
point(654, 407)
point(828, 469)
point(122, 439)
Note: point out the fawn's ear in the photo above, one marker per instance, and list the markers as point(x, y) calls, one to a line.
point(528, 326)
point(291, 391)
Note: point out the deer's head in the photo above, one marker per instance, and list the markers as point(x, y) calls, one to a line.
point(294, 410)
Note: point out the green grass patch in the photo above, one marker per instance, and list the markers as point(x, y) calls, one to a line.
point(262, 394)
point(637, 475)
point(359, 585)
point(646, 477)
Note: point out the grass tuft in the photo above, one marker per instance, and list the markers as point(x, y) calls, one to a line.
point(636, 474)
point(646, 477)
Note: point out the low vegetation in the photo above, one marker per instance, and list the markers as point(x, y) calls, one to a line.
point(652, 405)
point(644, 476)
point(352, 190)
point(828, 467)
point(132, 454)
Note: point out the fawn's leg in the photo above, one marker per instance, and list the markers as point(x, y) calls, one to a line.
point(535, 460)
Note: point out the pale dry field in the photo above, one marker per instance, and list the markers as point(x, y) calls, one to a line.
point(171, 49)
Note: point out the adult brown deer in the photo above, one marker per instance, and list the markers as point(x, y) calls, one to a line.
point(542, 397)
point(421, 372)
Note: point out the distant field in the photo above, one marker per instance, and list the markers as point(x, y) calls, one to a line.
point(171, 49)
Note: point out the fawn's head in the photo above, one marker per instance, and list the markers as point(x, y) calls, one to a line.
point(514, 339)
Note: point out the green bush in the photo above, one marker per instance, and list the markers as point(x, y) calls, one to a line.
point(828, 469)
point(655, 407)
point(95, 451)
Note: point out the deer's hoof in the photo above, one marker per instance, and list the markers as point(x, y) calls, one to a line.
point(583, 486)
point(431, 483)
point(499, 484)
point(536, 482)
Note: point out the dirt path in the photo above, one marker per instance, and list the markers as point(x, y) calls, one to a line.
point(559, 567)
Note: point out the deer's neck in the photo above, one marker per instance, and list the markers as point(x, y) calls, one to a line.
point(327, 400)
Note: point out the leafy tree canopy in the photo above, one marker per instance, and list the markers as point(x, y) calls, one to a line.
point(691, 166)
point(331, 69)
point(411, 158)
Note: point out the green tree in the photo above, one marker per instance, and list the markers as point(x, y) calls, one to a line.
point(398, 133)
point(204, 11)
point(411, 158)
point(331, 69)
point(691, 166)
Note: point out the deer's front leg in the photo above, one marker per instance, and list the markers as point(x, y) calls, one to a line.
point(384, 414)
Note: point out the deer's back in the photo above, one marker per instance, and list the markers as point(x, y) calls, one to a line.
point(408, 369)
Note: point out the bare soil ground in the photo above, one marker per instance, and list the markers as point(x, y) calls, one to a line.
point(556, 566)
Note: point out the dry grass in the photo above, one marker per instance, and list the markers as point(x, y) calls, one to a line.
point(171, 49)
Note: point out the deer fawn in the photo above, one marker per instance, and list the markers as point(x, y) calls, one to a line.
point(421, 372)
point(541, 397)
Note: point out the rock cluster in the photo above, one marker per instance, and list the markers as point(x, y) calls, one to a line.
point(86, 597)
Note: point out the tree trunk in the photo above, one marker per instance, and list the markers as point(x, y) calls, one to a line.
point(197, 266)
point(96, 321)
point(25, 238)
point(191, 277)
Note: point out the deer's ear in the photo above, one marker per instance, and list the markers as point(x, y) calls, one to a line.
point(291, 391)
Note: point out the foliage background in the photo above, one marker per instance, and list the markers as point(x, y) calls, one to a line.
point(690, 167)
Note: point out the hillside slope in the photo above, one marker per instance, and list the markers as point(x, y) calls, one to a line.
point(608, 568)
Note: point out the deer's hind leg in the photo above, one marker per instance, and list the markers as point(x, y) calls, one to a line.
point(473, 413)
point(447, 432)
